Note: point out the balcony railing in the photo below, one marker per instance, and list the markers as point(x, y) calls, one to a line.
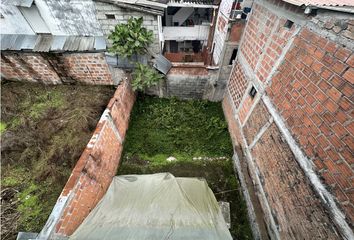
point(196, 32)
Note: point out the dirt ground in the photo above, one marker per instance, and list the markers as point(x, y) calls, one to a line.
point(195, 134)
point(44, 130)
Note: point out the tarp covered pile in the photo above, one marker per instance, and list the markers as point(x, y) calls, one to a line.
point(157, 206)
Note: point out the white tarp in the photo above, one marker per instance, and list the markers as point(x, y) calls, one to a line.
point(156, 206)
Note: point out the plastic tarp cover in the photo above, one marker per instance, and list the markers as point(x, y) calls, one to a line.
point(156, 206)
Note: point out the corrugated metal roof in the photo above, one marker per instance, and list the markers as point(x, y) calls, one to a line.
point(47, 43)
point(100, 43)
point(62, 17)
point(7, 41)
point(43, 43)
point(86, 43)
point(18, 43)
point(72, 43)
point(336, 5)
point(22, 3)
point(29, 42)
point(152, 7)
point(58, 43)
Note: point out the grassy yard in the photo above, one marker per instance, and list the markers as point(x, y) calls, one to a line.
point(44, 130)
point(195, 134)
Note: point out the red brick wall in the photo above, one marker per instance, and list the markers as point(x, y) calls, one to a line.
point(236, 31)
point(234, 129)
point(309, 78)
point(237, 83)
point(313, 90)
point(181, 57)
point(264, 40)
point(31, 67)
point(297, 211)
point(56, 68)
point(98, 163)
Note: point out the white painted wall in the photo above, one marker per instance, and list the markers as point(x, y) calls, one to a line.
point(197, 32)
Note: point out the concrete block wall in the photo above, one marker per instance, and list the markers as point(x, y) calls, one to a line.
point(195, 80)
point(297, 132)
point(56, 68)
point(95, 169)
point(121, 16)
point(190, 82)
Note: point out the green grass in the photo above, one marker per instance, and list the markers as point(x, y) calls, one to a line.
point(188, 131)
point(172, 126)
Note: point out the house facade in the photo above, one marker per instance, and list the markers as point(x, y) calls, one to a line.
point(44, 40)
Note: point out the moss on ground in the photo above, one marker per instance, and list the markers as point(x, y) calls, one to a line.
point(44, 130)
point(193, 132)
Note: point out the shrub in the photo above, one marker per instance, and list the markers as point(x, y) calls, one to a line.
point(144, 76)
point(130, 38)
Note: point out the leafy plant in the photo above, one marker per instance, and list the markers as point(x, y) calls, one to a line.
point(130, 38)
point(2, 127)
point(144, 76)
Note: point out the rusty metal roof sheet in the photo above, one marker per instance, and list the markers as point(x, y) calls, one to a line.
point(336, 5)
point(48, 43)
point(162, 64)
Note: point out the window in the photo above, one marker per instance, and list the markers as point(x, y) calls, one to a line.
point(110, 16)
point(233, 56)
point(35, 20)
point(288, 24)
point(253, 92)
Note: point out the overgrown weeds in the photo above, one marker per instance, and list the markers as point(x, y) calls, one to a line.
point(44, 130)
point(187, 139)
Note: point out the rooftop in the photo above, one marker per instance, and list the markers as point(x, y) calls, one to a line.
point(336, 5)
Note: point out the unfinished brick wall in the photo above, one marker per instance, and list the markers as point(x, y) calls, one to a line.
point(305, 76)
point(31, 67)
point(236, 31)
point(297, 211)
point(96, 167)
point(313, 90)
point(237, 83)
point(56, 68)
point(264, 40)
